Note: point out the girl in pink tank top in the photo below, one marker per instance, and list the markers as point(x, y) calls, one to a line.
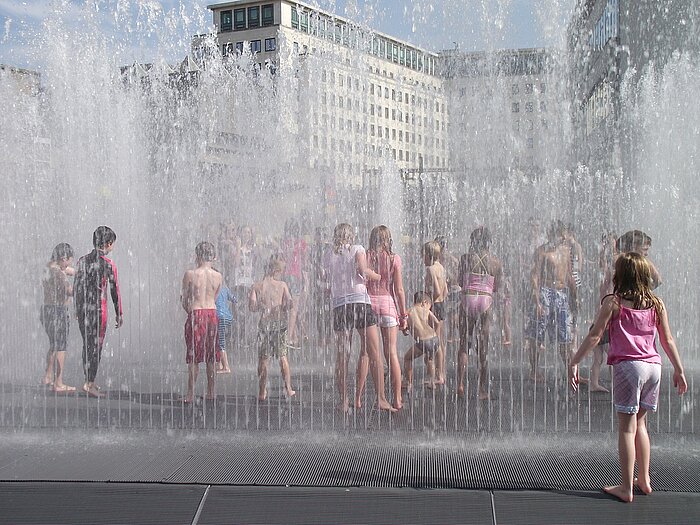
point(633, 316)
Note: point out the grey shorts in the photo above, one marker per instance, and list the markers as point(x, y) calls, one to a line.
point(635, 385)
point(428, 346)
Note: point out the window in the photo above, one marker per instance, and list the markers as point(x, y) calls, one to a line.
point(528, 89)
point(227, 49)
point(255, 46)
point(226, 21)
point(514, 89)
point(271, 45)
point(239, 47)
point(529, 107)
point(295, 18)
point(543, 87)
point(543, 106)
point(254, 16)
point(239, 18)
point(516, 107)
point(268, 15)
point(304, 22)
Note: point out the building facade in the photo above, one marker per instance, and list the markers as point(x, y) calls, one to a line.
point(611, 43)
point(366, 100)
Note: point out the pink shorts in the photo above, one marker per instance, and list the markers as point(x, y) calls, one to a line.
point(385, 309)
point(635, 385)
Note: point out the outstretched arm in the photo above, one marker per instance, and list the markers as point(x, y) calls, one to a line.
point(668, 343)
point(363, 269)
point(592, 339)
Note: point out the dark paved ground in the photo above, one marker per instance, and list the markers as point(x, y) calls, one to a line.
point(102, 476)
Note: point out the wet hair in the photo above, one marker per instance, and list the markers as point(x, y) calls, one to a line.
point(479, 240)
point(103, 236)
point(442, 241)
point(632, 281)
point(61, 251)
point(631, 240)
point(431, 249)
point(275, 264)
point(380, 240)
point(205, 251)
point(421, 297)
point(555, 231)
point(342, 236)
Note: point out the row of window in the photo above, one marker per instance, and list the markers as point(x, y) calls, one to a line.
point(400, 155)
point(252, 17)
point(607, 25)
point(529, 107)
point(377, 89)
point(528, 124)
point(324, 26)
point(255, 46)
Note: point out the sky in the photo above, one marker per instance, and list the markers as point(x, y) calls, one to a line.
point(144, 30)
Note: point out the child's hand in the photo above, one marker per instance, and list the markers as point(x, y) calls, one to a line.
point(679, 382)
point(70, 271)
point(573, 377)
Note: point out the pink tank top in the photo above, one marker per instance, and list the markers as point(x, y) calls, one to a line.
point(633, 336)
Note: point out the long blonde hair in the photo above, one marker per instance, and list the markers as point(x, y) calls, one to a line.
point(379, 242)
point(632, 281)
point(342, 236)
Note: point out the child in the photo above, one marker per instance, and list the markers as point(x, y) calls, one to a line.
point(633, 315)
point(200, 287)
point(480, 274)
point(54, 314)
point(436, 288)
point(93, 277)
point(272, 299)
point(346, 267)
point(225, 317)
point(421, 325)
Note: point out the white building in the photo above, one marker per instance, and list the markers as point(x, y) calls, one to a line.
point(365, 100)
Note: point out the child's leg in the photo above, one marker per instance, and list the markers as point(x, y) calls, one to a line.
point(411, 354)
point(440, 355)
point(262, 378)
point(58, 367)
point(49, 375)
point(361, 376)
point(595, 385)
point(211, 377)
point(429, 369)
point(462, 353)
point(483, 349)
point(370, 338)
point(389, 336)
point(342, 340)
point(643, 452)
point(287, 375)
point(193, 372)
point(225, 368)
point(627, 431)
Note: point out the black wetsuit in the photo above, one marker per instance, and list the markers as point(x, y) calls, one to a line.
point(94, 274)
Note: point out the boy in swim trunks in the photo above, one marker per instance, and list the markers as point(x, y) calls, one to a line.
point(553, 294)
point(200, 287)
point(421, 325)
point(272, 299)
point(436, 288)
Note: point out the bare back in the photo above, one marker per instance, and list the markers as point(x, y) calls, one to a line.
point(420, 323)
point(436, 282)
point(200, 288)
point(271, 298)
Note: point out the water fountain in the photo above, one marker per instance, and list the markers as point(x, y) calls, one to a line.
point(161, 151)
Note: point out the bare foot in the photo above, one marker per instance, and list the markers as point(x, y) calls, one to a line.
point(644, 487)
point(262, 396)
point(93, 392)
point(505, 342)
point(291, 393)
point(223, 371)
point(358, 403)
point(343, 408)
point(398, 405)
point(210, 398)
point(47, 381)
point(440, 381)
point(429, 384)
point(460, 391)
point(384, 405)
point(483, 396)
point(620, 493)
point(63, 389)
point(598, 388)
